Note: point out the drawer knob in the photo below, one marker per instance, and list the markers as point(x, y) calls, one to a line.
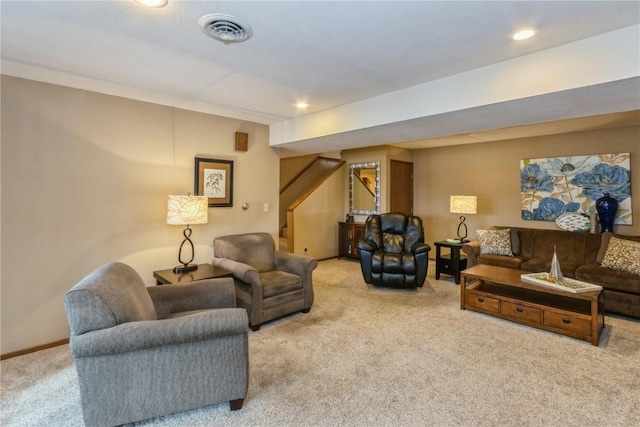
point(519, 310)
point(567, 321)
point(480, 299)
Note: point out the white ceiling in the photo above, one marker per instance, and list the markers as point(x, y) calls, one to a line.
point(326, 53)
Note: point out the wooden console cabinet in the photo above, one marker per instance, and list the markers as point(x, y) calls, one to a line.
point(348, 235)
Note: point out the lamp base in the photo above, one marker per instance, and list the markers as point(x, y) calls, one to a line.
point(185, 268)
point(462, 230)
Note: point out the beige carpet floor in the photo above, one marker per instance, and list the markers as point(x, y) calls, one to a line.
point(367, 356)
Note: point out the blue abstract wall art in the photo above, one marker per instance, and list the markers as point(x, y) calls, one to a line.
point(553, 186)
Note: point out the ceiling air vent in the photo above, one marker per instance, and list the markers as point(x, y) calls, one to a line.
point(225, 28)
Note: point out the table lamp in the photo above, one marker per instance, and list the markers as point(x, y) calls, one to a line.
point(187, 210)
point(463, 205)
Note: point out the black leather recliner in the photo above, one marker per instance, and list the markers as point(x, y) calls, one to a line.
point(393, 253)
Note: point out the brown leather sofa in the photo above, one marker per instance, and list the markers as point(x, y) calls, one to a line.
point(580, 257)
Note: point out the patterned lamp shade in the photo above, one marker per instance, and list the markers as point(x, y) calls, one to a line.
point(463, 204)
point(187, 210)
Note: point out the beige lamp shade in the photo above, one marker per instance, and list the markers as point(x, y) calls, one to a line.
point(187, 210)
point(463, 204)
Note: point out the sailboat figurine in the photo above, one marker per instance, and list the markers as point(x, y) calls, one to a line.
point(555, 271)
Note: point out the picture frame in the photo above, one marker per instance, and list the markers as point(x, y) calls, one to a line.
point(214, 179)
point(551, 187)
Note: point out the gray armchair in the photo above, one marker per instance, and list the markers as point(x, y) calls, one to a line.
point(269, 283)
point(144, 352)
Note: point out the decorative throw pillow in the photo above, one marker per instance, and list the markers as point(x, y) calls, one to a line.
point(515, 239)
point(604, 243)
point(495, 242)
point(622, 255)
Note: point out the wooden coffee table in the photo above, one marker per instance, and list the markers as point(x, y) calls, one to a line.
point(499, 291)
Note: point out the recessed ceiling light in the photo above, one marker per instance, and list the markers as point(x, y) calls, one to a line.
point(524, 34)
point(153, 3)
point(302, 105)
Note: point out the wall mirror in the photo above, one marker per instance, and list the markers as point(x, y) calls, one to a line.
point(364, 188)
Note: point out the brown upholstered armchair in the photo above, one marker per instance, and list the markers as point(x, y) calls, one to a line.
point(393, 253)
point(269, 283)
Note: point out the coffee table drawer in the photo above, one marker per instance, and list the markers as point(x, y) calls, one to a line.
point(521, 312)
point(567, 322)
point(483, 302)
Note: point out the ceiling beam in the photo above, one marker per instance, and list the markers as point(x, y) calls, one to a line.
point(597, 75)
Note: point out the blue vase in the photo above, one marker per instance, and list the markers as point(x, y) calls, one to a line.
point(607, 207)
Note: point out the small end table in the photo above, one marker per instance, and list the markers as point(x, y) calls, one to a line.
point(452, 263)
point(204, 271)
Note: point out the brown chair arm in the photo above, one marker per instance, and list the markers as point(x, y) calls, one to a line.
point(241, 271)
point(299, 265)
point(471, 250)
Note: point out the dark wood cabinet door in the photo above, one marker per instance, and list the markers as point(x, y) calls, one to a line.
point(349, 233)
point(344, 239)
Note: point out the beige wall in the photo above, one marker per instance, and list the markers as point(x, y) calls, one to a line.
point(383, 154)
point(85, 179)
point(315, 223)
point(491, 171)
point(290, 167)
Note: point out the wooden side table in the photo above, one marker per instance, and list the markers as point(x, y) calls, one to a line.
point(452, 263)
point(204, 271)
